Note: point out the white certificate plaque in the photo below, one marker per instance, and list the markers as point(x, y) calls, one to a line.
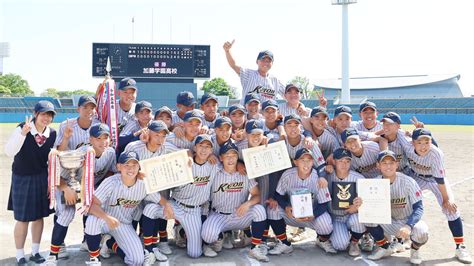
point(263, 160)
point(375, 195)
point(166, 171)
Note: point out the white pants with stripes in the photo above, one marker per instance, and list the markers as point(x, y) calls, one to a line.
point(217, 223)
point(433, 187)
point(322, 224)
point(125, 236)
point(189, 218)
point(65, 213)
point(419, 233)
point(341, 236)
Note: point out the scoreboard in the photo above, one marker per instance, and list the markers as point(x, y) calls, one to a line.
point(151, 60)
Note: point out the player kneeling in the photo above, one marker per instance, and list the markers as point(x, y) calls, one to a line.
point(407, 209)
point(114, 204)
point(303, 176)
point(231, 207)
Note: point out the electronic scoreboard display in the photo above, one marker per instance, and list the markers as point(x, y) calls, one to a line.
point(151, 60)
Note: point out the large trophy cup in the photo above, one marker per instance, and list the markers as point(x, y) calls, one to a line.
point(72, 161)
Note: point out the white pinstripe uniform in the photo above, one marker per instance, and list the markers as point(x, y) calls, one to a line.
point(366, 164)
point(210, 124)
point(266, 88)
point(186, 202)
point(144, 153)
point(228, 192)
point(364, 136)
point(123, 117)
point(359, 125)
point(328, 143)
point(272, 134)
point(181, 143)
point(106, 162)
point(131, 127)
point(290, 181)
point(79, 136)
point(120, 201)
point(215, 146)
point(175, 118)
point(404, 192)
point(342, 222)
point(285, 109)
point(397, 147)
point(319, 162)
point(424, 169)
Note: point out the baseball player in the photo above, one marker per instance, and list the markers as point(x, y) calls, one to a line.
point(252, 104)
point(426, 166)
point(164, 114)
point(143, 116)
point(368, 113)
point(237, 114)
point(293, 104)
point(396, 137)
point(273, 126)
point(364, 153)
point(65, 211)
point(406, 208)
point(303, 176)
point(185, 102)
point(209, 106)
point(347, 230)
point(187, 201)
point(127, 91)
point(257, 81)
point(192, 126)
point(222, 133)
point(74, 133)
point(112, 213)
point(318, 123)
point(232, 209)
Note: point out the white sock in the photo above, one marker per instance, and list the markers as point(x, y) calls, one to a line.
point(35, 248)
point(20, 253)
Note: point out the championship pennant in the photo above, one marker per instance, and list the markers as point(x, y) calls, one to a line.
point(54, 175)
point(87, 181)
point(107, 105)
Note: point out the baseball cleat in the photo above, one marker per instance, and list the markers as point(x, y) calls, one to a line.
point(380, 253)
point(463, 255)
point(326, 246)
point(280, 248)
point(257, 254)
point(208, 251)
point(415, 257)
point(104, 250)
point(354, 250)
point(164, 248)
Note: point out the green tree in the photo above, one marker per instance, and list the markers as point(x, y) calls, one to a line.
point(303, 84)
point(16, 84)
point(4, 91)
point(219, 87)
point(50, 92)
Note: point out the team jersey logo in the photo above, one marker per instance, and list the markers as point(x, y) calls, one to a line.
point(364, 169)
point(100, 172)
point(201, 180)
point(419, 166)
point(399, 203)
point(344, 193)
point(230, 187)
point(267, 92)
point(126, 203)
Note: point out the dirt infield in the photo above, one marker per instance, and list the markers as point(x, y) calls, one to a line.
point(456, 144)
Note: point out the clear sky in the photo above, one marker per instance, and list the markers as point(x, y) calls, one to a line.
point(51, 40)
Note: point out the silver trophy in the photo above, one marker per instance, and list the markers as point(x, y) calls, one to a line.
point(72, 161)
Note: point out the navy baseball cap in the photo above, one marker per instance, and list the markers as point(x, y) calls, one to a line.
point(193, 114)
point(222, 121)
point(164, 109)
point(349, 133)
point(201, 138)
point(264, 54)
point(127, 156)
point(228, 146)
point(386, 153)
point(254, 126)
point(367, 104)
point(251, 97)
point(208, 96)
point(127, 83)
point(270, 104)
point(143, 105)
point(291, 86)
point(391, 117)
point(185, 98)
point(343, 110)
point(237, 107)
point(341, 153)
point(421, 132)
point(85, 99)
point(301, 152)
point(319, 110)
point(44, 106)
point(292, 117)
point(157, 126)
point(99, 129)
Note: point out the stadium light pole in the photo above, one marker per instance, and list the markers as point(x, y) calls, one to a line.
point(345, 89)
point(4, 52)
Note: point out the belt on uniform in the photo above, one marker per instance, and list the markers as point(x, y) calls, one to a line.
point(187, 206)
point(224, 213)
point(418, 175)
